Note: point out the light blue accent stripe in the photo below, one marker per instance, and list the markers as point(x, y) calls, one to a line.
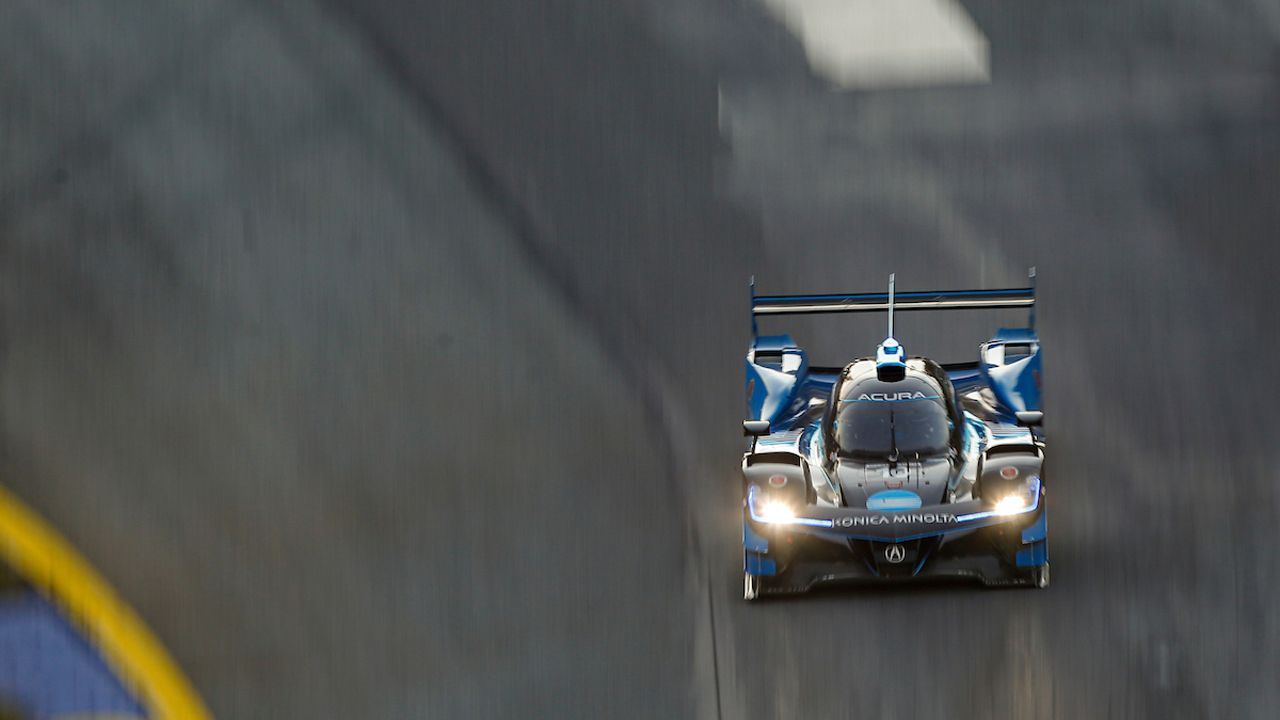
point(894, 501)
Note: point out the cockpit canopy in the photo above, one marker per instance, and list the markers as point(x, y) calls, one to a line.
point(890, 420)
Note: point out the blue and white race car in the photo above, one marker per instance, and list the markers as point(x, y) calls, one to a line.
point(894, 468)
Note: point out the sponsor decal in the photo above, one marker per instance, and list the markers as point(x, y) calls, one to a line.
point(1008, 472)
point(893, 397)
point(898, 518)
point(894, 553)
point(777, 480)
point(893, 500)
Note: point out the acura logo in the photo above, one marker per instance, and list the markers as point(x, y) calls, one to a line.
point(891, 397)
point(894, 553)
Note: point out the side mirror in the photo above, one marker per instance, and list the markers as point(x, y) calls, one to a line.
point(1030, 418)
point(755, 428)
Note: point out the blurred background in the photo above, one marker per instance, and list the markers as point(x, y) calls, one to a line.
point(386, 356)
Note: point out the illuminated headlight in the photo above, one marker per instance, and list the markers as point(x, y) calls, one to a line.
point(1024, 500)
point(772, 511)
point(768, 510)
point(1011, 504)
point(777, 512)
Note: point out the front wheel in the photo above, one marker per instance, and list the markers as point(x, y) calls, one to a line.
point(751, 586)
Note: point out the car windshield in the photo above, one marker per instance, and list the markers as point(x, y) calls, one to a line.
point(890, 425)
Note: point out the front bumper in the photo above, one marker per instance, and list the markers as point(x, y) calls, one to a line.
point(797, 559)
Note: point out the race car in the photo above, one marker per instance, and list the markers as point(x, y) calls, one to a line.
point(894, 468)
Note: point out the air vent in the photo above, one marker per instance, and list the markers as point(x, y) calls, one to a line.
point(776, 458)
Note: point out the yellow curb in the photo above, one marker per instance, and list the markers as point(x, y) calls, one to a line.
point(46, 560)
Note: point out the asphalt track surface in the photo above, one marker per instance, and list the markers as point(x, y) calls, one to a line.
point(387, 355)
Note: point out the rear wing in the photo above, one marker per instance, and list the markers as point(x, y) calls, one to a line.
point(914, 300)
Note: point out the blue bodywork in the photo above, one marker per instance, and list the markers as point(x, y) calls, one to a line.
point(771, 386)
point(1036, 537)
point(776, 395)
point(1016, 383)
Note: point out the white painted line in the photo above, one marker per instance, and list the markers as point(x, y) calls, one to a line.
point(888, 43)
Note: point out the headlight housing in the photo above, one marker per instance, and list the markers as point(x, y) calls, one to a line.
point(1022, 500)
point(775, 511)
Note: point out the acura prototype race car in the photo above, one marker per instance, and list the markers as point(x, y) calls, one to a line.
point(894, 468)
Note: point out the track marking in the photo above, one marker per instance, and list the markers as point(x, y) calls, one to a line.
point(52, 566)
point(887, 43)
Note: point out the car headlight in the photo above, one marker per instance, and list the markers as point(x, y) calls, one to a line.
point(774, 511)
point(765, 509)
point(1023, 500)
point(1010, 504)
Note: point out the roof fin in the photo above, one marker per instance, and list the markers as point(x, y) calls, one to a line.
point(891, 358)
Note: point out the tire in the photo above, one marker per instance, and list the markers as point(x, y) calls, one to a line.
point(751, 587)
